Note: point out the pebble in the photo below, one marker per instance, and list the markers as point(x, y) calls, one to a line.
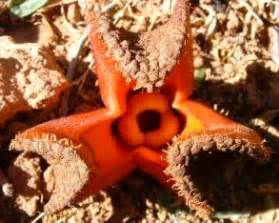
point(8, 190)
point(198, 62)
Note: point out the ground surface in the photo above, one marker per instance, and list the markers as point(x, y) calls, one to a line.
point(236, 52)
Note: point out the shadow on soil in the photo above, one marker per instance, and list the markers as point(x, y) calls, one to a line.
point(140, 198)
point(250, 99)
point(23, 33)
point(247, 100)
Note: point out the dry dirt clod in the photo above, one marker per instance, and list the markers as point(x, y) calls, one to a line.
point(26, 174)
point(30, 78)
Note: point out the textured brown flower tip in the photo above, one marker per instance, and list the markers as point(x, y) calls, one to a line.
point(206, 166)
point(68, 174)
point(149, 56)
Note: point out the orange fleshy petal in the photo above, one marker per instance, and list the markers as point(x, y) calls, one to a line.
point(152, 162)
point(90, 140)
point(113, 87)
point(148, 101)
point(130, 131)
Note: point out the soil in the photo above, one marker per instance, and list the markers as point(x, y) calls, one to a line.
point(236, 73)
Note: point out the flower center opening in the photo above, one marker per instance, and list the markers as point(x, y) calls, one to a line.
point(149, 120)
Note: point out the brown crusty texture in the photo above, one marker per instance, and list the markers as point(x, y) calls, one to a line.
point(25, 174)
point(67, 174)
point(30, 78)
point(148, 57)
point(181, 153)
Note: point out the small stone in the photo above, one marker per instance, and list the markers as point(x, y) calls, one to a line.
point(198, 62)
point(8, 190)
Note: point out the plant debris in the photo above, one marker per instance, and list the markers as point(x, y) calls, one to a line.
point(26, 7)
